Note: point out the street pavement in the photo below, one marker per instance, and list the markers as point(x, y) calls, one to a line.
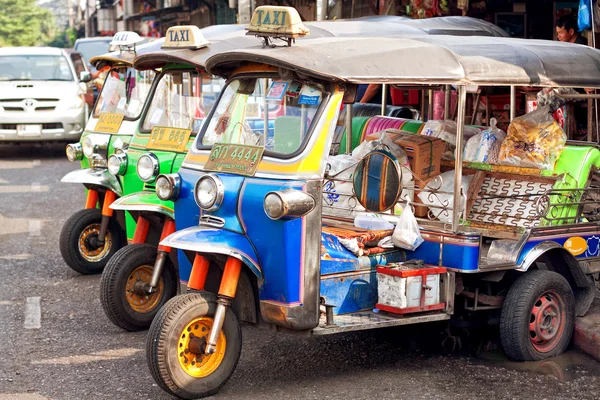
point(56, 342)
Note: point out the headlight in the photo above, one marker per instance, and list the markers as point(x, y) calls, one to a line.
point(117, 164)
point(78, 102)
point(74, 152)
point(288, 204)
point(88, 147)
point(148, 167)
point(167, 186)
point(209, 192)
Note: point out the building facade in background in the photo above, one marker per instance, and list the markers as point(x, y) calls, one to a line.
point(527, 18)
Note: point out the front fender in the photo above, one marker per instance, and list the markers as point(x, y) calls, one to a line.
point(94, 177)
point(203, 239)
point(144, 201)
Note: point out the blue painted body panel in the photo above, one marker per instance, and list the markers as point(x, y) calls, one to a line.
point(278, 244)
point(592, 240)
point(187, 213)
point(460, 257)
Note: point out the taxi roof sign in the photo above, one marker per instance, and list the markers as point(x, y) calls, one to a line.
point(184, 37)
point(277, 22)
point(125, 39)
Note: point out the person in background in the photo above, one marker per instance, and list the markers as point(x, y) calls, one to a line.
point(372, 94)
point(566, 31)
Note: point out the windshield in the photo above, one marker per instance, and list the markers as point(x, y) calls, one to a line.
point(182, 100)
point(35, 68)
point(264, 112)
point(93, 48)
point(124, 92)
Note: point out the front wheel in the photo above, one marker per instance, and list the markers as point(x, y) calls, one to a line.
point(79, 245)
point(537, 317)
point(124, 288)
point(176, 342)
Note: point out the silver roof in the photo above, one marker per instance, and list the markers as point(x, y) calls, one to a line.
point(230, 37)
point(430, 59)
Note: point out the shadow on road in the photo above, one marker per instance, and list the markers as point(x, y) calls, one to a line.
point(32, 150)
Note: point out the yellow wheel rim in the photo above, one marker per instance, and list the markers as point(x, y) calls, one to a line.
point(197, 364)
point(93, 255)
point(137, 298)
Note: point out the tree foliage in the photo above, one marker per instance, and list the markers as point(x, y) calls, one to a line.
point(24, 23)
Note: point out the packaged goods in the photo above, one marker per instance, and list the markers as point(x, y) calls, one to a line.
point(534, 140)
point(485, 146)
point(407, 234)
point(439, 193)
point(446, 130)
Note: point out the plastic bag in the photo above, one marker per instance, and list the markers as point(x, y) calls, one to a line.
point(485, 146)
point(534, 140)
point(446, 130)
point(341, 166)
point(584, 20)
point(407, 234)
point(444, 183)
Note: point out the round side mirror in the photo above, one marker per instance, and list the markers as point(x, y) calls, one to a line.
point(378, 181)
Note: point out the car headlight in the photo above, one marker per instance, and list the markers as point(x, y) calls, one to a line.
point(117, 164)
point(148, 167)
point(87, 146)
point(209, 192)
point(78, 102)
point(74, 152)
point(168, 186)
point(288, 204)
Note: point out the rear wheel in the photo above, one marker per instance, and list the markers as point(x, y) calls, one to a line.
point(176, 341)
point(79, 245)
point(538, 316)
point(124, 288)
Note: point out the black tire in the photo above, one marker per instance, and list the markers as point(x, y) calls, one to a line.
point(119, 273)
point(69, 241)
point(162, 350)
point(529, 295)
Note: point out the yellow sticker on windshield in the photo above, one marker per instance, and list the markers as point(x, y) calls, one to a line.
point(169, 139)
point(109, 123)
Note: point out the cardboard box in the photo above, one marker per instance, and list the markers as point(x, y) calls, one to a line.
point(424, 152)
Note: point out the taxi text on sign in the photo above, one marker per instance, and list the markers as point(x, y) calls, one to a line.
point(279, 20)
point(109, 123)
point(187, 36)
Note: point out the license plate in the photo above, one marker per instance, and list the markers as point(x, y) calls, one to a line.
point(169, 139)
point(109, 123)
point(29, 130)
point(235, 158)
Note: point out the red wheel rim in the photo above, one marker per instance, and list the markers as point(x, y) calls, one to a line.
point(547, 321)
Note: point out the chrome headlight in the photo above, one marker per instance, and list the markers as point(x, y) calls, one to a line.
point(168, 186)
point(74, 152)
point(287, 204)
point(117, 164)
point(88, 147)
point(148, 167)
point(209, 192)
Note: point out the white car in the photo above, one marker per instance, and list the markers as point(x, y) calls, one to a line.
point(43, 94)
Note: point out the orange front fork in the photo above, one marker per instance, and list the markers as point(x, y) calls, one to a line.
point(162, 254)
point(141, 230)
point(92, 199)
point(107, 213)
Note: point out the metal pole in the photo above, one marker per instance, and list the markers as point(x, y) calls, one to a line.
point(383, 98)
point(594, 46)
point(513, 102)
point(460, 130)
point(430, 105)
point(348, 128)
point(447, 101)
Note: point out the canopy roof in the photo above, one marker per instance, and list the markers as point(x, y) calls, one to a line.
point(225, 38)
point(125, 57)
point(429, 59)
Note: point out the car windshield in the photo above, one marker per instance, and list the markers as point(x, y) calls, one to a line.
point(182, 100)
point(92, 48)
point(124, 92)
point(265, 112)
point(35, 68)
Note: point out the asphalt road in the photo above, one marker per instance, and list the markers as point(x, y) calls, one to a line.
point(73, 352)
